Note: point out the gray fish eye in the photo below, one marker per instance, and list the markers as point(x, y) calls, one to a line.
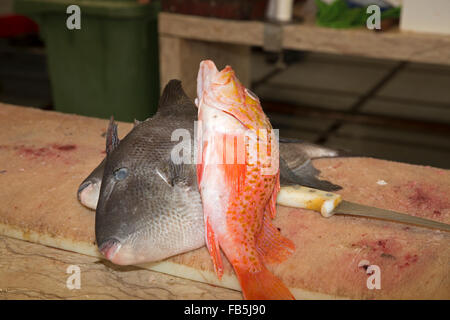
point(121, 173)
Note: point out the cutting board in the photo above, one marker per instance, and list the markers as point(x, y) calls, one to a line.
point(45, 155)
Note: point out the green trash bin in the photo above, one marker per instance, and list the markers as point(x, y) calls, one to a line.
point(110, 65)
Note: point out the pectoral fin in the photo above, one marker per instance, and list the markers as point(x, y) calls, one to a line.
point(304, 175)
point(296, 166)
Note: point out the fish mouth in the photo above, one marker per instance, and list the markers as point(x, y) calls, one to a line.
point(125, 253)
point(206, 72)
point(88, 194)
point(109, 248)
point(83, 186)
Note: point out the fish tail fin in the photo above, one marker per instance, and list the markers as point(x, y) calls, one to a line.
point(214, 250)
point(271, 245)
point(262, 285)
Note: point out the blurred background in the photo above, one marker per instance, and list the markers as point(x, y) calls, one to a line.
point(322, 75)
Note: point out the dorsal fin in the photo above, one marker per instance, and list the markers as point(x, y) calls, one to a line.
point(175, 100)
point(112, 138)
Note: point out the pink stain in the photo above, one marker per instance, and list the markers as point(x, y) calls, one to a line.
point(388, 250)
point(66, 147)
point(49, 151)
point(337, 165)
point(408, 260)
point(422, 199)
point(379, 247)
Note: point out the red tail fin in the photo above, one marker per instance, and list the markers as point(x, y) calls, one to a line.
point(262, 285)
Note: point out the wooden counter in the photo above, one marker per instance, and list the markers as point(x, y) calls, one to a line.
point(45, 155)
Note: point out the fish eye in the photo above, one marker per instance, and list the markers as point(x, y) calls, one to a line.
point(252, 94)
point(120, 174)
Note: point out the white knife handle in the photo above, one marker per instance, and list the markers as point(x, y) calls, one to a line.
point(309, 198)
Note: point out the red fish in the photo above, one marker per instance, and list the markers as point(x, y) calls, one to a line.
point(238, 178)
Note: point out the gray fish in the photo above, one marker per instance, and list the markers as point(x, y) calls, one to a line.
point(149, 208)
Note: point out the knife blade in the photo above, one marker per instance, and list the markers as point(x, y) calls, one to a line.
point(329, 204)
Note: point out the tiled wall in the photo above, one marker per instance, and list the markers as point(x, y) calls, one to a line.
point(412, 92)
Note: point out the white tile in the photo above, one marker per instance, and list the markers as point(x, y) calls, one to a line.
point(280, 121)
point(299, 134)
point(391, 135)
point(425, 16)
point(356, 78)
point(423, 86)
point(305, 97)
point(419, 111)
point(351, 60)
point(428, 67)
point(394, 152)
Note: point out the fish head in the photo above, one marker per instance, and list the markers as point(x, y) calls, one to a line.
point(225, 104)
point(149, 207)
point(89, 190)
point(223, 85)
point(222, 90)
